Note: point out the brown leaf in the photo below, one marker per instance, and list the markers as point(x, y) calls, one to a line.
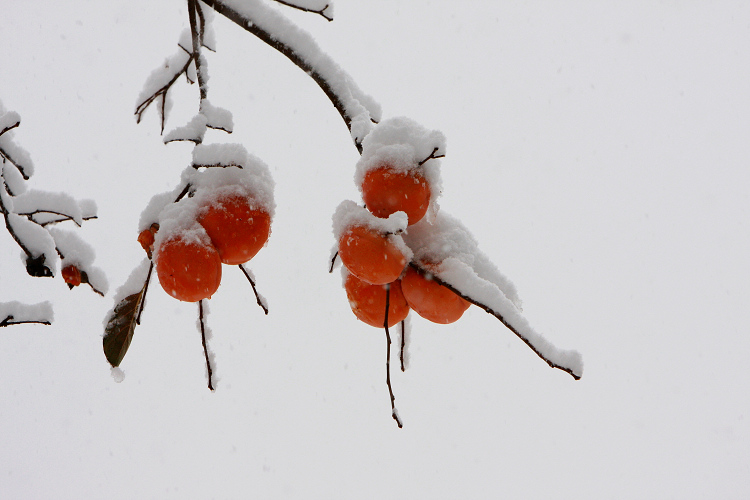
point(120, 327)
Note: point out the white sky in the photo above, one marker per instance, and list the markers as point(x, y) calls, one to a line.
point(600, 155)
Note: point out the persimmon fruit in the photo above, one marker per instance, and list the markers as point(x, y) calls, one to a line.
point(237, 229)
point(386, 190)
point(188, 269)
point(370, 255)
point(146, 238)
point(368, 301)
point(71, 275)
point(430, 299)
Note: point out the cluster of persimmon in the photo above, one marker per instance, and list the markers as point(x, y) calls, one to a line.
point(378, 261)
point(228, 227)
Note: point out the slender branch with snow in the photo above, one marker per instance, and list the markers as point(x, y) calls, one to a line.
point(30, 215)
point(357, 109)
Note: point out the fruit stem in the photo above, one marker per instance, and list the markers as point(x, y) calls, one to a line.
point(403, 344)
point(205, 346)
point(394, 413)
point(258, 298)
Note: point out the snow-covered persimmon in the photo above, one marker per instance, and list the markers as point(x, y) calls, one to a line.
point(430, 299)
point(71, 275)
point(189, 269)
point(386, 190)
point(237, 229)
point(370, 255)
point(368, 301)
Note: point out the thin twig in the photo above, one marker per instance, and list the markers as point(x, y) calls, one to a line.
point(431, 157)
point(161, 92)
point(9, 321)
point(205, 346)
point(255, 291)
point(142, 304)
point(403, 344)
point(499, 316)
point(10, 127)
point(394, 412)
point(197, 35)
point(322, 11)
point(333, 261)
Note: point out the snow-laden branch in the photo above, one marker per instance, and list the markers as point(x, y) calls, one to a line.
point(457, 263)
point(357, 109)
point(27, 213)
point(16, 313)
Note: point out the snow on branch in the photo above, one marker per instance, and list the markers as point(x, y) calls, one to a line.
point(12, 153)
point(188, 61)
point(161, 80)
point(27, 213)
point(357, 109)
point(16, 313)
point(464, 269)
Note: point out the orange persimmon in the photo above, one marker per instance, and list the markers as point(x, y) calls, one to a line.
point(430, 299)
point(386, 190)
point(188, 269)
point(237, 229)
point(368, 301)
point(370, 255)
point(71, 275)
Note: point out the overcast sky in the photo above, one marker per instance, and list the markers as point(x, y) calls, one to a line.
point(599, 154)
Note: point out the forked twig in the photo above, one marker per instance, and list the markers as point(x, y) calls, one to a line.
point(321, 12)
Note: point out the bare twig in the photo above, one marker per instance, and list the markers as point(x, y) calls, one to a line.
point(333, 261)
point(197, 35)
point(496, 314)
point(8, 321)
point(205, 345)
point(10, 127)
point(258, 299)
point(162, 92)
point(431, 157)
point(403, 344)
point(394, 412)
point(5, 156)
point(142, 304)
point(322, 11)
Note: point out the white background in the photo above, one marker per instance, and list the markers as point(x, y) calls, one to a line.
point(599, 152)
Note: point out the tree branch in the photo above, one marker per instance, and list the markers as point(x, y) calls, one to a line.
point(9, 321)
point(162, 92)
point(293, 55)
point(6, 156)
point(496, 314)
point(10, 127)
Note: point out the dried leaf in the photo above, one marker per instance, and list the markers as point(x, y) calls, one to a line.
point(120, 327)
